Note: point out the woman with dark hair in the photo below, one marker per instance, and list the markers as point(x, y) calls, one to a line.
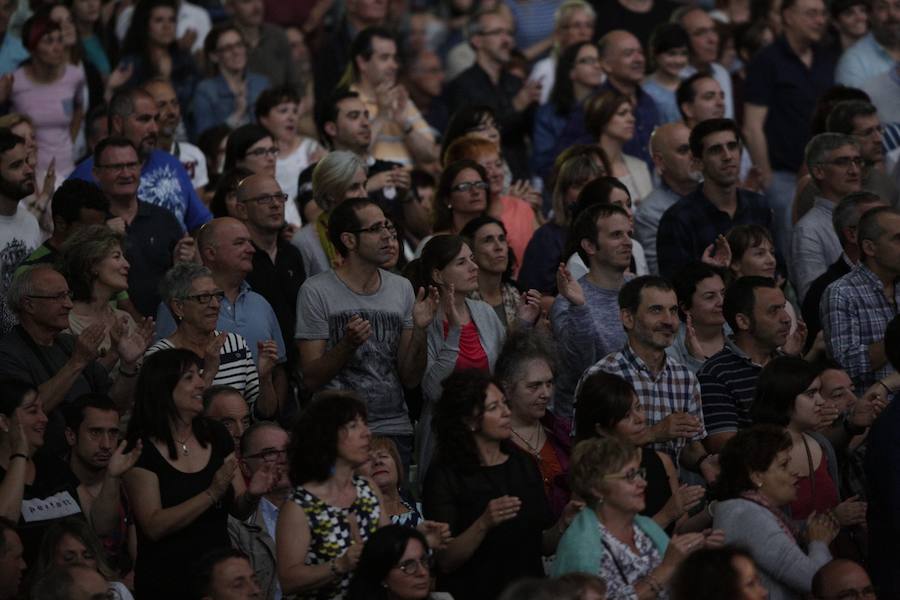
point(487, 238)
point(394, 565)
point(462, 195)
point(754, 485)
point(489, 492)
point(787, 395)
point(185, 483)
point(465, 334)
point(474, 119)
point(229, 95)
point(251, 147)
point(152, 50)
point(224, 201)
point(607, 406)
point(668, 52)
point(560, 122)
point(700, 289)
point(727, 573)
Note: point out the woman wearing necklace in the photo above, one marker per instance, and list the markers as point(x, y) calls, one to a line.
point(610, 537)
point(386, 470)
point(490, 493)
point(185, 483)
point(525, 372)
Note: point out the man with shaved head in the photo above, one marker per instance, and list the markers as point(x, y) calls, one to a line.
point(277, 264)
point(842, 578)
point(671, 154)
point(622, 59)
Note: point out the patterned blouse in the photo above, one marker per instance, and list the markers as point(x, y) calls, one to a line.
point(621, 568)
point(410, 518)
point(330, 531)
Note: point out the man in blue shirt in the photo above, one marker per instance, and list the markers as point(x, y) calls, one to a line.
point(164, 182)
point(12, 52)
point(877, 52)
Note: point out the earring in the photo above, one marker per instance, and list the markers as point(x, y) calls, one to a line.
point(599, 500)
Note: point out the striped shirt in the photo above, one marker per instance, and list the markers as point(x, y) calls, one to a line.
point(236, 366)
point(855, 314)
point(673, 389)
point(727, 386)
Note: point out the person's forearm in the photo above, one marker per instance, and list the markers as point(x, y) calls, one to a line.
point(691, 455)
point(320, 371)
point(122, 390)
point(166, 521)
point(461, 548)
point(661, 574)
point(877, 356)
point(421, 146)
point(106, 509)
point(550, 537)
point(535, 50)
point(756, 145)
point(54, 390)
point(244, 505)
point(413, 360)
point(12, 489)
point(302, 578)
point(267, 403)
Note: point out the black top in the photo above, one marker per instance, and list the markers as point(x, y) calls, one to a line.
point(149, 242)
point(612, 15)
point(509, 551)
point(164, 567)
point(658, 489)
point(814, 297)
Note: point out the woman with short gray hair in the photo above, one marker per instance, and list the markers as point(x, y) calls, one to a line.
point(194, 299)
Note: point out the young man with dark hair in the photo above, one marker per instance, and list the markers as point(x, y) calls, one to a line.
point(225, 574)
point(12, 565)
point(700, 97)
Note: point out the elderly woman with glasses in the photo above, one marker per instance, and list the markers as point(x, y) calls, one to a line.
point(194, 300)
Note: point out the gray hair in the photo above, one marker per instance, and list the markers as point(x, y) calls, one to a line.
point(251, 431)
point(520, 348)
point(332, 177)
point(869, 228)
point(819, 147)
point(22, 286)
point(849, 211)
point(176, 283)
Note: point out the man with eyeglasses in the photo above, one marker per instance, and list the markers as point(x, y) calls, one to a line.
point(842, 579)
point(264, 444)
point(835, 166)
point(162, 179)
point(363, 328)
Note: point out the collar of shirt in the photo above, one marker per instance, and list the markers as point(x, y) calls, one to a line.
point(639, 363)
point(869, 42)
point(867, 274)
point(824, 203)
point(737, 351)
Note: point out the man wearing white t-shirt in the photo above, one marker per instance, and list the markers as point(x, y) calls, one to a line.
point(20, 233)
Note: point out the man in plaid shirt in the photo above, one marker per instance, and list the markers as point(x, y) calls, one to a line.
point(669, 392)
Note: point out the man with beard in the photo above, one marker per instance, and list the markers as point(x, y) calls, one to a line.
point(877, 52)
point(20, 233)
point(754, 309)
point(263, 446)
point(190, 156)
point(691, 228)
point(163, 181)
point(98, 462)
point(668, 391)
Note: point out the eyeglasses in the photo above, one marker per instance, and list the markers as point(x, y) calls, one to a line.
point(230, 47)
point(866, 593)
point(207, 297)
point(379, 228)
point(630, 475)
point(412, 566)
point(268, 455)
point(844, 162)
point(465, 186)
point(119, 167)
point(56, 297)
point(259, 152)
point(267, 199)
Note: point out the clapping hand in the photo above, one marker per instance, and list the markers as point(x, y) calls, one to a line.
point(268, 357)
point(677, 425)
point(436, 534)
point(358, 331)
point(121, 462)
point(795, 342)
point(425, 307)
point(568, 286)
point(530, 308)
point(87, 344)
point(131, 345)
point(500, 510)
point(718, 254)
point(448, 305)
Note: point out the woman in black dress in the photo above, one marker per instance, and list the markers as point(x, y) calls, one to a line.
point(185, 483)
point(607, 405)
point(490, 493)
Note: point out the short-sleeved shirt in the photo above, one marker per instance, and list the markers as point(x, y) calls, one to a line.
point(20, 235)
point(727, 386)
point(862, 61)
point(325, 306)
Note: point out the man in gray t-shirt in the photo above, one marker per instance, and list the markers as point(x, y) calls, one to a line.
point(362, 328)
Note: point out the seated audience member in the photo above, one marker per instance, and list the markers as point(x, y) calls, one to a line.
point(671, 155)
point(585, 315)
point(648, 311)
point(843, 578)
point(188, 460)
point(226, 405)
point(753, 488)
point(668, 50)
point(153, 238)
point(727, 573)
point(70, 542)
point(395, 564)
point(12, 564)
point(278, 110)
point(500, 531)
point(386, 470)
point(607, 406)
point(75, 582)
point(845, 221)
point(339, 176)
point(754, 308)
point(857, 307)
point(834, 162)
point(688, 229)
point(252, 147)
point(264, 446)
point(362, 327)
point(225, 574)
point(609, 537)
point(162, 180)
point(609, 117)
point(700, 97)
point(700, 289)
point(230, 95)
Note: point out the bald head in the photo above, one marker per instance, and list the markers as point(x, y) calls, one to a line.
point(622, 58)
point(840, 577)
point(260, 204)
point(665, 136)
point(225, 247)
point(671, 153)
point(250, 186)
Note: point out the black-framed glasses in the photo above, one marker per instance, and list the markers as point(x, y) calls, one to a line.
point(844, 162)
point(411, 566)
point(629, 475)
point(119, 167)
point(259, 152)
point(268, 199)
point(57, 297)
point(465, 186)
point(207, 297)
point(378, 228)
point(268, 455)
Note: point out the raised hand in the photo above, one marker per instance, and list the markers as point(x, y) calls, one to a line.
point(268, 357)
point(530, 308)
point(119, 76)
point(87, 344)
point(212, 356)
point(425, 307)
point(867, 408)
point(263, 480)
point(121, 462)
point(132, 344)
point(851, 511)
point(222, 479)
point(796, 341)
point(448, 305)
point(718, 254)
point(715, 538)
point(682, 545)
point(500, 510)
point(436, 534)
point(186, 42)
point(828, 413)
point(691, 341)
point(821, 527)
point(568, 286)
point(18, 442)
point(684, 499)
point(185, 250)
point(358, 331)
point(677, 425)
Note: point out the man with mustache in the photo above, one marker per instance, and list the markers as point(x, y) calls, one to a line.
point(669, 392)
point(754, 309)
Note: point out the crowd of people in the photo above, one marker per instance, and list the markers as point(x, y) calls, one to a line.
point(519, 299)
